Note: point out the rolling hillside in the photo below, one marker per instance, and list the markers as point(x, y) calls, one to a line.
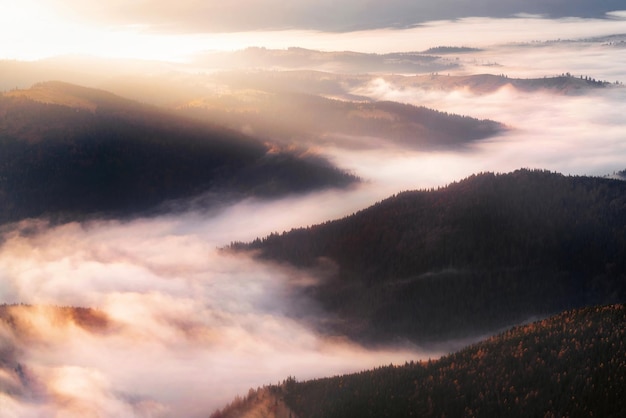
point(475, 256)
point(68, 151)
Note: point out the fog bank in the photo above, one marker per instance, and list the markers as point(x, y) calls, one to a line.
point(188, 326)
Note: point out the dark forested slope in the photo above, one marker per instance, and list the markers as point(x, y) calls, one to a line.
point(573, 364)
point(477, 255)
point(69, 150)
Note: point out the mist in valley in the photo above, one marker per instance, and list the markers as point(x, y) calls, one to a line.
point(189, 325)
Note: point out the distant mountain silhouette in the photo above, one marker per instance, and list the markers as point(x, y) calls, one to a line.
point(340, 61)
point(489, 83)
point(71, 151)
point(572, 364)
point(477, 255)
point(451, 50)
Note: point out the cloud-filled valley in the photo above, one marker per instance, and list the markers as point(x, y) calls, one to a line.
point(188, 326)
point(176, 325)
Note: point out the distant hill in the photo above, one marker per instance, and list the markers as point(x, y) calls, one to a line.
point(489, 83)
point(352, 124)
point(572, 364)
point(338, 61)
point(21, 327)
point(451, 50)
point(475, 256)
point(71, 151)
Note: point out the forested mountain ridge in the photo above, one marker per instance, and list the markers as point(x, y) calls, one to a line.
point(347, 123)
point(71, 151)
point(572, 364)
point(475, 256)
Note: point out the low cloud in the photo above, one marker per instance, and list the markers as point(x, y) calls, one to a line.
point(570, 133)
point(188, 326)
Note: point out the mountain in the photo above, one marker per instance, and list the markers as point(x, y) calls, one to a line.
point(572, 364)
point(350, 124)
point(71, 151)
point(470, 258)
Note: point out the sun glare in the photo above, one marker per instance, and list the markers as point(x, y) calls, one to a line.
point(23, 26)
point(31, 31)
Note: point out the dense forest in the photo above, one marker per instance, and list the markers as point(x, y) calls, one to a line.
point(71, 151)
point(572, 364)
point(480, 254)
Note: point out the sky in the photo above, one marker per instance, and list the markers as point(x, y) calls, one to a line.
point(165, 30)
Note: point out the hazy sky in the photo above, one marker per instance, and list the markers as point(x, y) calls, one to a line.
point(161, 29)
point(324, 15)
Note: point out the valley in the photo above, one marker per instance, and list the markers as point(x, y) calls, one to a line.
point(312, 210)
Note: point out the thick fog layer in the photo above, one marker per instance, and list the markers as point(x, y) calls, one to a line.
point(188, 328)
point(569, 134)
